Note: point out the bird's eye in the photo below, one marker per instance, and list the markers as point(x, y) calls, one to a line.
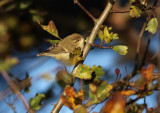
point(75, 41)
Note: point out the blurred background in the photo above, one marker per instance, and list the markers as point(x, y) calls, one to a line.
point(22, 37)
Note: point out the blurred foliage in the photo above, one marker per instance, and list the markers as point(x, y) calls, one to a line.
point(35, 103)
point(7, 63)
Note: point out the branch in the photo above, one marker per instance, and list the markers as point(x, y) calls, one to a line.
point(128, 10)
point(85, 10)
point(87, 47)
point(146, 51)
point(16, 90)
point(138, 48)
point(21, 85)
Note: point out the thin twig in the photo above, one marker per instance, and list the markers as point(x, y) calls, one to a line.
point(85, 10)
point(146, 51)
point(128, 10)
point(138, 48)
point(155, 55)
point(121, 11)
point(101, 46)
point(87, 47)
point(16, 90)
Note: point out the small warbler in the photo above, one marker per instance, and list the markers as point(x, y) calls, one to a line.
point(62, 50)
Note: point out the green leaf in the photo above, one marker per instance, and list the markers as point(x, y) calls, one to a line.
point(152, 25)
point(7, 63)
point(114, 36)
point(53, 42)
point(98, 71)
point(103, 91)
point(107, 37)
point(135, 11)
point(84, 72)
point(120, 49)
point(101, 35)
point(81, 109)
point(51, 28)
point(35, 103)
point(86, 40)
point(110, 28)
point(75, 56)
point(24, 5)
point(99, 91)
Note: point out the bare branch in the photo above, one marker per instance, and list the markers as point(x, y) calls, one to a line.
point(16, 90)
point(85, 10)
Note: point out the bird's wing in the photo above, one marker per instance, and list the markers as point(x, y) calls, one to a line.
point(54, 49)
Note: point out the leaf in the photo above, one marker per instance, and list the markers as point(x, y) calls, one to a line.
point(81, 109)
point(75, 56)
point(99, 91)
point(72, 99)
point(103, 91)
point(114, 36)
point(51, 28)
point(7, 63)
point(132, 1)
point(53, 42)
point(146, 77)
point(136, 108)
point(86, 40)
point(64, 76)
point(143, 2)
point(101, 35)
point(120, 49)
point(24, 5)
point(98, 71)
point(84, 72)
point(152, 25)
point(115, 104)
point(148, 73)
point(107, 37)
point(128, 92)
point(36, 15)
point(35, 103)
point(135, 11)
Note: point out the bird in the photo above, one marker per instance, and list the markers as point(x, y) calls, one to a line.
point(61, 50)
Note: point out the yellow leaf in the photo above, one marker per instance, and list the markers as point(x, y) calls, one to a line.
point(51, 28)
point(101, 35)
point(120, 49)
point(135, 11)
point(107, 36)
point(152, 25)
